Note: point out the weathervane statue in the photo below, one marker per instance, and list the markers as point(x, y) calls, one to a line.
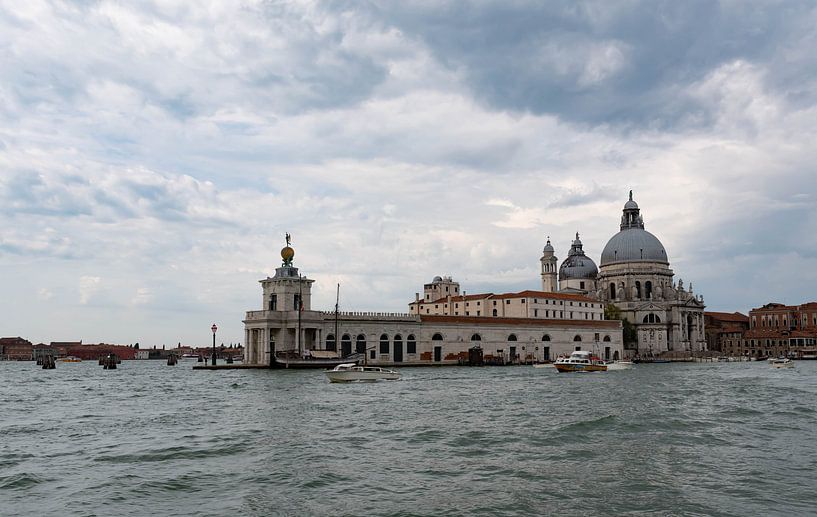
point(287, 253)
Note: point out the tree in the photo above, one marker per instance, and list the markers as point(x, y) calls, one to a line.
point(629, 334)
point(611, 312)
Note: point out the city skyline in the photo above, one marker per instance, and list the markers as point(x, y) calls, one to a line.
point(152, 157)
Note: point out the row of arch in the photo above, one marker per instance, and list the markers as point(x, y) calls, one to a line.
point(360, 343)
point(647, 294)
point(512, 337)
point(411, 342)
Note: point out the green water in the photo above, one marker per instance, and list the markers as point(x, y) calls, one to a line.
point(148, 439)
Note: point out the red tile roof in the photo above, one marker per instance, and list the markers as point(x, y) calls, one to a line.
point(728, 316)
point(520, 322)
point(521, 294)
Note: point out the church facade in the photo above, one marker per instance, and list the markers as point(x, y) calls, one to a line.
point(634, 275)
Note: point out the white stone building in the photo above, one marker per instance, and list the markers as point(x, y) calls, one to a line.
point(439, 329)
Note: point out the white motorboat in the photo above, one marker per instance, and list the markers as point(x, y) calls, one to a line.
point(351, 372)
point(782, 362)
point(619, 365)
point(580, 361)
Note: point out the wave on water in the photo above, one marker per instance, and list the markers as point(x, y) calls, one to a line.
point(22, 480)
point(172, 453)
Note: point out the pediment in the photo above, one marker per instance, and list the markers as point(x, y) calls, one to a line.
point(649, 307)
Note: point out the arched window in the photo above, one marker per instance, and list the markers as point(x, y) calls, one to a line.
point(638, 289)
point(612, 291)
point(512, 337)
point(651, 318)
point(606, 339)
point(494, 312)
point(330, 342)
point(411, 344)
point(577, 338)
point(648, 289)
point(437, 337)
point(345, 345)
point(476, 337)
point(545, 338)
point(384, 344)
point(360, 344)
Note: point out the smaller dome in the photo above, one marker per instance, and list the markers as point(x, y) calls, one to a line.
point(437, 279)
point(577, 264)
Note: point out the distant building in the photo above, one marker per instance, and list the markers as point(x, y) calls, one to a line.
point(94, 352)
point(776, 329)
point(724, 332)
point(62, 346)
point(15, 349)
point(42, 350)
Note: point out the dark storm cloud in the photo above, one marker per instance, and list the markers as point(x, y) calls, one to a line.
point(602, 62)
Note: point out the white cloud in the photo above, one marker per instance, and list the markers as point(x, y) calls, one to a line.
point(88, 286)
point(166, 150)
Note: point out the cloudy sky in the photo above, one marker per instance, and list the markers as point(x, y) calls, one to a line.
point(153, 154)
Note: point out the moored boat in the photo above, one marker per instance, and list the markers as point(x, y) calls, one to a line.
point(69, 359)
point(312, 360)
point(619, 365)
point(351, 372)
point(580, 361)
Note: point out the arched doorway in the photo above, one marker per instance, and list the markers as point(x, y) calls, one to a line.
point(345, 345)
point(398, 348)
point(360, 344)
point(438, 348)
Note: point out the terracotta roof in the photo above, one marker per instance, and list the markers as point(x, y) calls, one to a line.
point(728, 316)
point(467, 297)
point(544, 294)
point(520, 294)
point(520, 322)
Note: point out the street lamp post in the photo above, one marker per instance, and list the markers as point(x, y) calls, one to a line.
point(214, 328)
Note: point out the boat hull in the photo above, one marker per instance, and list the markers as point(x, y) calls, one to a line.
point(311, 363)
point(340, 377)
point(574, 368)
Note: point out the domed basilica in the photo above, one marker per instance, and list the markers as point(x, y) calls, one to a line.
point(634, 275)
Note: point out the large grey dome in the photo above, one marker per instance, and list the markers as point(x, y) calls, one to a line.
point(577, 264)
point(634, 245)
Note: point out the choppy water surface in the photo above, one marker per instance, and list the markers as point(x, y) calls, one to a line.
point(148, 439)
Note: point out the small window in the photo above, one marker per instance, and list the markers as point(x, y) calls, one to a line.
point(507, 302)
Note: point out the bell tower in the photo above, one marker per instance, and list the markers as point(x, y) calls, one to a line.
point(549, 267)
